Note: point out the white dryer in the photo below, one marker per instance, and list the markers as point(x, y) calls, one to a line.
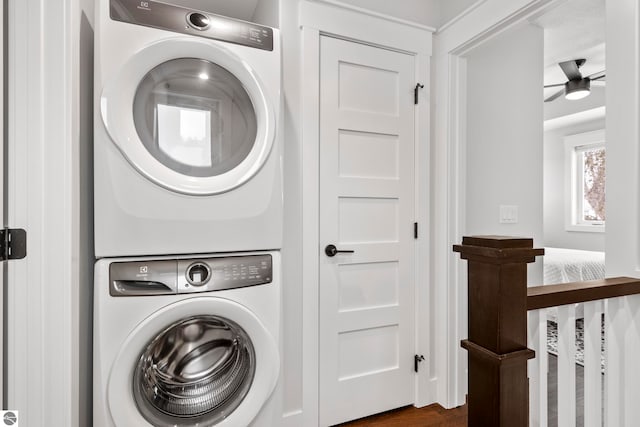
point(187, 147)
point(187, 342)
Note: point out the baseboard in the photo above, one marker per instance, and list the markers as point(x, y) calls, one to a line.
point(292, 419)
point(426, 396)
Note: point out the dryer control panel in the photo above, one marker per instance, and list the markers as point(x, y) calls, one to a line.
point(178, 19)
point(179, 276)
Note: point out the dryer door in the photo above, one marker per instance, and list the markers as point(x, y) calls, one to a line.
point(180, 367)
point(190, 115)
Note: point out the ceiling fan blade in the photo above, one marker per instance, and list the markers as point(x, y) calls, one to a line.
point(554, 96)
point(597, 76)
point(555, 85)
point(572, 68)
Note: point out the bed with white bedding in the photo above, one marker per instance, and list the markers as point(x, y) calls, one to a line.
point(571, 265)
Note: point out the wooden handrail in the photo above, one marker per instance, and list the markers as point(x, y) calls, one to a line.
point(570, 293)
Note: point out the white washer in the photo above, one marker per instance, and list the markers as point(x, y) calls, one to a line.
point(187, 147)
point(189, 342)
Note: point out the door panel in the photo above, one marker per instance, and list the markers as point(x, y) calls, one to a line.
point(367, 206)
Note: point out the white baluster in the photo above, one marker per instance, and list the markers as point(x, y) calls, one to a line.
point(592, 366)
point(616, 320)
point(567, 365)
point(538, 368)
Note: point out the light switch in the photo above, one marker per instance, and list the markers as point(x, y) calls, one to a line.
point(508, 214)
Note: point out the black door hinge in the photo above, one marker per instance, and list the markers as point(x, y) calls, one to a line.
point(415, 230)
point(14, 244)
point(415, 92)
point(416, 361)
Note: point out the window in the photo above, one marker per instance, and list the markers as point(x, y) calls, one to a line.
point(586, 173)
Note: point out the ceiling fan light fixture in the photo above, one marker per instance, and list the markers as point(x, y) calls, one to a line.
point(577, 89)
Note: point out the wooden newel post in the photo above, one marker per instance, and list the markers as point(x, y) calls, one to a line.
point(497, 344)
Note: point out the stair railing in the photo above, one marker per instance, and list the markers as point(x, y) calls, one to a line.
point(502, 389)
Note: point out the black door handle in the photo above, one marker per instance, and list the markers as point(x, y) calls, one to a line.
point(331, 251)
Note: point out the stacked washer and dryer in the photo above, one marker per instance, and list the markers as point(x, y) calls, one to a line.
point(188, 218)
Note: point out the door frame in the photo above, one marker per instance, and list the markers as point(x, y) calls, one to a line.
point(329, 18)
point(478, 24)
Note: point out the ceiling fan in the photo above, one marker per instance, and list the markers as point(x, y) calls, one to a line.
point(577, 86)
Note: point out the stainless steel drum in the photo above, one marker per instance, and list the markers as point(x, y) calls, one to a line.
point(196, 371)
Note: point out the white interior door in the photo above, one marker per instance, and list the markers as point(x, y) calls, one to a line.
point(366, 206)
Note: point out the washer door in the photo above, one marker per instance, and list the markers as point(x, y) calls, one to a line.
point(179, 367)
point(190, 116)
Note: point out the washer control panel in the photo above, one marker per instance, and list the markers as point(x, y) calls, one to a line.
point(179, 276)
point(214, 274)
point(178, 19)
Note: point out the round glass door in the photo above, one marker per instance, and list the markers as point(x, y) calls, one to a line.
point(195, 372)
point(190, 116)
point(194, 117)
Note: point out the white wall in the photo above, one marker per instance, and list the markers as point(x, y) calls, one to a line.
point(263, 12)
point(555, 234)
point(239, 9)
point(504, 135)
point(292, 361)
point(623, 139)
point(623, 209)
point(267, 13)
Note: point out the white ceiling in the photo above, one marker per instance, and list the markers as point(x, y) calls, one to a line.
point(575, 29)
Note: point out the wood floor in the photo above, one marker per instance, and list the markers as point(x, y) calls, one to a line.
point(435, 415)
point(429, 416)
